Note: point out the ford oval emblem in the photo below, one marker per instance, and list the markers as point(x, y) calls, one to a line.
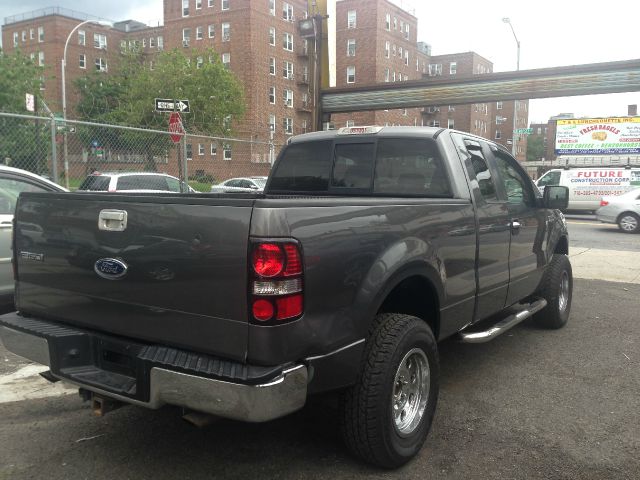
point(110, 268)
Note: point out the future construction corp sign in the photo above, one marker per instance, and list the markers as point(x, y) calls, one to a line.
point(598, 136)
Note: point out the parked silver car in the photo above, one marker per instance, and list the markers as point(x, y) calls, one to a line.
point(13, 181)
point(133, 182)
point(242, 184)
point(623, 210)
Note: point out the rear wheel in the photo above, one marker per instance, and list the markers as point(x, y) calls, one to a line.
point(557, 289)
point(387, 415)
point(629, 222)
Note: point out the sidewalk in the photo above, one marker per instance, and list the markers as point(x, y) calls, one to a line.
point(608, 265)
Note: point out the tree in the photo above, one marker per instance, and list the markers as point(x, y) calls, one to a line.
point(126, 97)
point(23, 143)
point(535, 148)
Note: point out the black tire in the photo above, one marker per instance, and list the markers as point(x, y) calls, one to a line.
point(629, 222)
point(557, 289)
point(368, 422)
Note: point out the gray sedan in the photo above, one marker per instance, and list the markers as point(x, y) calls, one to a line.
point(623, 210)
point(243, 184)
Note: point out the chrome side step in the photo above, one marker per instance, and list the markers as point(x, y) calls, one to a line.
point(503, 325)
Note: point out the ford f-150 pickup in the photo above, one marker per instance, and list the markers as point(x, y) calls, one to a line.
point(368, 246)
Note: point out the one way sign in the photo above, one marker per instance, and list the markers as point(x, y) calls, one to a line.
point(171, 105)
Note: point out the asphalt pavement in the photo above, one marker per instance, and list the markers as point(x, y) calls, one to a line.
point(532, 404)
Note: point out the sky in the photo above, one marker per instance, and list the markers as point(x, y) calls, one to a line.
point(551, 33)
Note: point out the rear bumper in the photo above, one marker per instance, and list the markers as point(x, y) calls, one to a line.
point(152, 376)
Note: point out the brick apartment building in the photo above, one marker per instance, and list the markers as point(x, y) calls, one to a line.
point(376, 42)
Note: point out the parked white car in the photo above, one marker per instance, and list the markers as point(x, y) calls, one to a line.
point(622, 209)
point(14, 181)
point(134, 182)
point(242, 184)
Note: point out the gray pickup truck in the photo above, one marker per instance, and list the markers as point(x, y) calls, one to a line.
point(368, 246)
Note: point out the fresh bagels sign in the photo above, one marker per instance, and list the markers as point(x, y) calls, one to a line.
point(598, 136)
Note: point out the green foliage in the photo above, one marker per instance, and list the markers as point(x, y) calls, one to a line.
point(23, 143)
point(126, 97)
point(535, 148)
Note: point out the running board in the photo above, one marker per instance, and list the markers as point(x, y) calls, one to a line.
point(503, 325)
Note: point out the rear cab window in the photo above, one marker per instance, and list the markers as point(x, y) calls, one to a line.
point(362, 166)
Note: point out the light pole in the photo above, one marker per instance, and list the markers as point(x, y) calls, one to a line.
point(515, 102)
point(64, 91)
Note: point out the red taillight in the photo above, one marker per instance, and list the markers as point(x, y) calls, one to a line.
point(604, 203)
point(289, 307)
point(263, 310)
point(276, 285)
point(268, 259)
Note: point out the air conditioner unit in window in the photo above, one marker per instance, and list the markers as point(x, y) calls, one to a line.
point(226, 37)
point(185, 43)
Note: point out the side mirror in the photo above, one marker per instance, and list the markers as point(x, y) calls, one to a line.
point(555, 196)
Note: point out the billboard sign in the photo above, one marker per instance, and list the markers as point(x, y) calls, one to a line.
point(598, 136)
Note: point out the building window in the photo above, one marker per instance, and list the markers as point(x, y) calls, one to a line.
point(212, 31)
point(82, 37)
point(272, 123)
point(498, 134)
point(214, 148)
point(351, 19)
point(287, 123)
point(272, 7)
point(198, 4)
point(406, 57)
point(406, 31)
point(272, 95)
point(395, 23)
point(287, 42)
point(199, 62)
point(41, 59)
point(498, 105)
point(100, 40)
point(15, 39)
point(394, 49)
point(287, 12)
point(189, 151)
point(83, 61)
point(272, 36)
point(32, 34)
point(226, 60)
point(160, 43)
point(24, 35)
point(199, 33)
point(450, 123)
point(387, 49)
point(387, 22)
point(349, 123)
point(41, 34)
point(435, 69)
point(200, 145)
point(453, 68)
point(186, 36)
point(185, 8)
point(287, 70)
point(351, 47)
point(500, 120)
point(152, 42)
point(101, 65)
point(351, 74)
point(225, 4)
point(287, 96)
point(210, 3)
point(226, 32)
point(226, 149)
point(387, 74)
point(452, 108)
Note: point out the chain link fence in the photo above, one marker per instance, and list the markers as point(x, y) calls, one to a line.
point(93, 156)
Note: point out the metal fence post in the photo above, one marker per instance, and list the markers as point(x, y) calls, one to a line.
point(185, 171)
point(54, 152)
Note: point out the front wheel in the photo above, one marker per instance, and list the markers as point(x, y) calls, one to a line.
point(387, 415)
point(557, 289)
point(629, 222)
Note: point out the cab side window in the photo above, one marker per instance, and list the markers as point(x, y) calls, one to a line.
point(514, 184)
point(482, 172)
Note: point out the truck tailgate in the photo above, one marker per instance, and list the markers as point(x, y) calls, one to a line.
point(176, 274)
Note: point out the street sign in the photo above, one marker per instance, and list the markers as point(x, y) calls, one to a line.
point(523, 131)
point(171, 105)
point(176, 127)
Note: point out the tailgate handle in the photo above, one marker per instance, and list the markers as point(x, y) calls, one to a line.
point(112, 220)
